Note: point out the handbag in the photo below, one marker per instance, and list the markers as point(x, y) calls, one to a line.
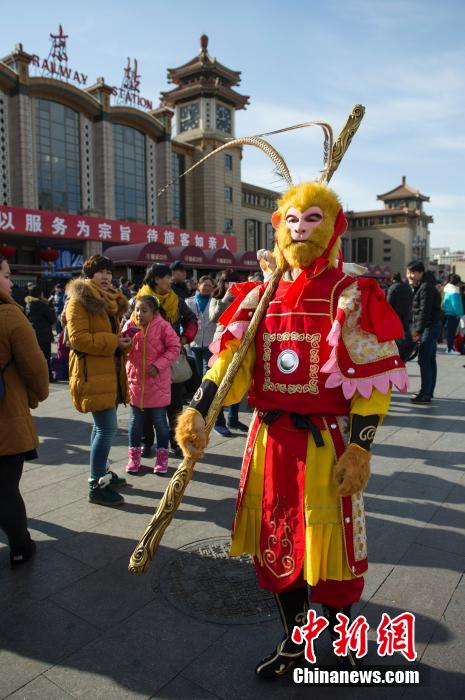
point(180, 369)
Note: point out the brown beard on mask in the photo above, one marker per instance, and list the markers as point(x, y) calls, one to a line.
point(301, 253)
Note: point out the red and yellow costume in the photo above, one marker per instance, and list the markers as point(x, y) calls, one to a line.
point(319, 375)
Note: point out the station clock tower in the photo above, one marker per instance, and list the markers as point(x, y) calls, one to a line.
point(205, 103)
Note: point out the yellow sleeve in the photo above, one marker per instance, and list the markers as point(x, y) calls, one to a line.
point(376, 405)
point(243, 378)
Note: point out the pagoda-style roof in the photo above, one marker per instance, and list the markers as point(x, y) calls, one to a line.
point(402, 191)
point(204, 76)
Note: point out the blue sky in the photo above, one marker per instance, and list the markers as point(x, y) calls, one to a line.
point(403, 59)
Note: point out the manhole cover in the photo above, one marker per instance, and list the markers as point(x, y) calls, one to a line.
point(203, 582)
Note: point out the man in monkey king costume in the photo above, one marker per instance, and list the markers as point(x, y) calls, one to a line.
point(319, 376)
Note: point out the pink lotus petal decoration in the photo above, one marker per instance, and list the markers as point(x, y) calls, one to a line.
point(348, 389)
point(335, 379)
point(334, 334)
point(396, 378)
point(330, 365)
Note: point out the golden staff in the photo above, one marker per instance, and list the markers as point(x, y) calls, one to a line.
point(171, 499)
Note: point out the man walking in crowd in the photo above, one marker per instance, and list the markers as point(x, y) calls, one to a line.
point(426, 326)
point(453, 310)
point(400, 297)
point(124, 287)
point(42, 319)
point(57, 300)
point(179, 285)
point(19, 295)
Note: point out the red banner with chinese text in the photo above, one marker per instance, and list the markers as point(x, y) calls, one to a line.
point(52, 224)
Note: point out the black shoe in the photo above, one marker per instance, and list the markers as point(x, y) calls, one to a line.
point(222, 430)
point(280, 661)
point(101, 492)
point(177, 452)
point(237, 425)
point(22, 555)
point(293, 607)
point(349, 660)
point(420, 399)
point(146, 451)
point(117, 481)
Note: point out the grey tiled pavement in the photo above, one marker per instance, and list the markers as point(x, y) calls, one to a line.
point(75, 623)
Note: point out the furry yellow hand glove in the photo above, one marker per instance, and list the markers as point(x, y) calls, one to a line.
point(190, 433)
point(352, 471)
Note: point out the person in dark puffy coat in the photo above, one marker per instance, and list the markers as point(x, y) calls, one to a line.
point(400, 297)
point(426, 326)
point(42, 319)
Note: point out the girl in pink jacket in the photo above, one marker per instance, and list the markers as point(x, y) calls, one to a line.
point(154, 348)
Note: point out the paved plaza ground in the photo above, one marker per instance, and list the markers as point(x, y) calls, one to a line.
point(75, 623)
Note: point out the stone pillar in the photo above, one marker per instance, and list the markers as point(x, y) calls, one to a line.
point(23, 180)
point(162, 207)
point(163, 176)
point(87, 164)
point(92, 248)
point(151, 180)
point(5, 194)
point(103, 162)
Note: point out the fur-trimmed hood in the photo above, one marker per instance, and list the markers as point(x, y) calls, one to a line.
point(84, 292)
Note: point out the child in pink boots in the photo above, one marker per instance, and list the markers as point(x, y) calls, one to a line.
point(154, 348)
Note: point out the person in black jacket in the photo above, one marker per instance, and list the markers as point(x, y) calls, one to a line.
point(400, 297)
point(178, 284)
point(18, 295)
point(42, 319)
point(426, 326)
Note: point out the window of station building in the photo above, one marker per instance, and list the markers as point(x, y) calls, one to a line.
point(178, 189)
point(130, 177)
point(228, 161)
point(362, 250)
point(228, 194)
point(228, 225)
point(345, 248)
point(269, 236)
point(252, 234)
point(58, 157)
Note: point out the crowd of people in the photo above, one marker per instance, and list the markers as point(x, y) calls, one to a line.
point(428, 310)
point(148, 346)
point(123, 344)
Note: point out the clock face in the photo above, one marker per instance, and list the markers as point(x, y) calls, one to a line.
point(190, 116)
point(223, 118)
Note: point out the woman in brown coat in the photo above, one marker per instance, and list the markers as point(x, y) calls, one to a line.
point(23, 383)
point(97, 377)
